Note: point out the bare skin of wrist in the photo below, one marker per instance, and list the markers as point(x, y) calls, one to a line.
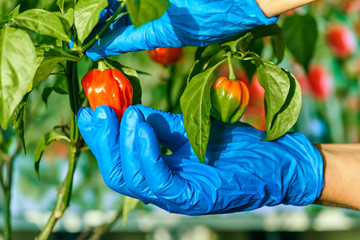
point(272, 8)
point(341, 174)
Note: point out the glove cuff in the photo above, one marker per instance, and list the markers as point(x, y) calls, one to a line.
point(308, 181)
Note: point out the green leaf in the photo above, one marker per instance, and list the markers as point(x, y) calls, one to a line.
point(60, 86)
point(65, 5)
point(282, 98)
point(46, 93)
point(13, 14)
point(203, 58)
point(66, 19)
point(195, 105)
point(17, 68)
point(301, 33)
point(42, 22)
point(132, 75)
point(289, 112)
point(278, 45)
point(17, 119)
point(61, 5)
point(44, 69)
point(241, 43)
point(145, 11)
point(70, 17)
point(87, 16)
point(5, 144)
point(207, 51)
point(129, 204)
point(48, 57)
point(265, 31)
point(42, 145)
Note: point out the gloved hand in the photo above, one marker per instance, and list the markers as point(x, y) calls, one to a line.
point(185, 23)
point(242, 172)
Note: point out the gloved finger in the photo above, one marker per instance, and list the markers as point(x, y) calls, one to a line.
point(106, 128)
point(106, 136)
point(169, 128)
point(132, 169)
point(160, 178)
point(121, 39)
point(133, 176)
point(84, 117)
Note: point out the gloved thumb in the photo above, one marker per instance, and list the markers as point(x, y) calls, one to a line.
point(84, 117)
point(99, 127)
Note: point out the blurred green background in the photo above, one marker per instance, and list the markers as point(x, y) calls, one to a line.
point(334, 118)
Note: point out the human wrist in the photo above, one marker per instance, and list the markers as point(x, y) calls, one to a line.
point(272, 8)
point(341, 173)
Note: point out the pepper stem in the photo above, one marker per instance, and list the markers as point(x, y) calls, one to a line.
point(232, 76)
point(102, 65)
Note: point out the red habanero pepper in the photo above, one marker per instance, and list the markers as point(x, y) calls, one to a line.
point(108, 87)
point(229, 99)
point(166, 56)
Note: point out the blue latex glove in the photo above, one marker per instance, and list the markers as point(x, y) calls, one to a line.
point(242, 173)
point(185, 23)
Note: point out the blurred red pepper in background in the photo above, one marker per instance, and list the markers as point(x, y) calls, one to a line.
point(300, 75)
point(321, 82)
point(351, 6)
point(341, 40)
point(255, 112)
point(166, 56)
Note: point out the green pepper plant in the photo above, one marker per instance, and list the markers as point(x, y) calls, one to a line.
point(34, 44)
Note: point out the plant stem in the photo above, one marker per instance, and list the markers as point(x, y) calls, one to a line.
point(7, 199)
point(6, 187)
point(232, 76)
point(170, 84)
point(243, 57)
point(64, 190)
point(7, 215)
point(107, 25)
